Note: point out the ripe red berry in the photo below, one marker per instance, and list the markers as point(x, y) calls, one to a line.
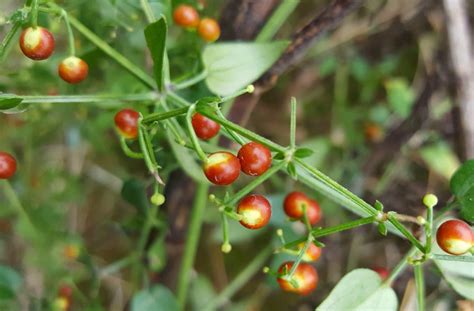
point(383, 273)
point(209, 29)
point(255, 211)
point(7, 165)
point(73, 69)
point(455, 237)
point(312, 253)
point(255, 159)
point(204, 127)
point(305, 276)
point(126, 122)
point(294, 203)
point(222, 168)
point(186, 16)
point(65, 291)
point(37, 43)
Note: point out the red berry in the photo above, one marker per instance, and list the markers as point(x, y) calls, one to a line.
point(294, 203)
point(255, 211)
point(305, 277)
point(455, 237)
point(204, 127)
point(312, 253)
point(255, 159)
point(37, 43)
point(209, 29)
point(7, 165)
point(383, 273)
point(65, 291)
point(126, 122)
point(186, 16)
point(73, 70)
point(222, 168)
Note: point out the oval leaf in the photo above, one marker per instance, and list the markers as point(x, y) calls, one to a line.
point(233, 66)
point(158, 298)
point(462, 186)
point(9, 102)
point(303, 152)
point(155, 35)
point(361, 289)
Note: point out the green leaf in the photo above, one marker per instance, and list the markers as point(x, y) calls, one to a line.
point(378, 205)
point(155, 35)
point(440, 158)
point(8, 101)
point(201, 292)
point(400, 96)
point(292, 170)
point(233, 66)
point(361, 289)
point(382, 229)
point(303, 153)
point(134, 192)
point(279, 156)
point(10, 282)
point(158, 298)
point(462, 186)
point(460, 275)
point(157, 254)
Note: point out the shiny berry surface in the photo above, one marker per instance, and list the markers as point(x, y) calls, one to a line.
point(7, 165)
point(295, 202)
point(255, 210)
point(204, 127)
point(65, 291)
point(73, 70)
point(209, 30)
point(455, 237)
point(37, 43)
point(255, 159)
point(312, 253)
point(305, 277)
point(186, 16)
point(126, 122)
point(222, 168)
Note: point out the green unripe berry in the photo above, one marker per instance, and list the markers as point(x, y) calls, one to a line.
point(226, 248)
point(157, 199)
point(430, 200)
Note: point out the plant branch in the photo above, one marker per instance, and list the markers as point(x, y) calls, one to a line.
point(420, 286)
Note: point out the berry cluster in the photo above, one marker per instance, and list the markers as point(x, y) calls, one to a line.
point(187, 17)
point(37, 43)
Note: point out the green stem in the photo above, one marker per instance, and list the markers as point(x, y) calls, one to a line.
point(308, 242)
point(225, 229)
point(318, 232)
point(420, 286)
point(34, 13)
point(393, 219)
point(254, 183)
point(178, 99)
point(453, 258)
point(400, 267)
point(192, 240)
point(128, 152)
point(196, 79)
point(278, 18)
point(159, 116)
point(107, 49)
point(150, 16)
point(242, 131)
point(237, 283)
point(149, 224)
point(429, 229)
point(293, 124)
point(96, 98)
point(337, 187)
point(70, 34)
point(232, 134)
point(147, 151)
point(192, 134)
point(117, 266)
point(12, 197)
point(6, 43)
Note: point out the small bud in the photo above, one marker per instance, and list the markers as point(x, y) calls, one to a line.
point(157, 199)
point(279, 232)
point(421, 221)
point(266, 270)
point(212, 197)
point(430, 200)
point(250, 88)
point(226, 248)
